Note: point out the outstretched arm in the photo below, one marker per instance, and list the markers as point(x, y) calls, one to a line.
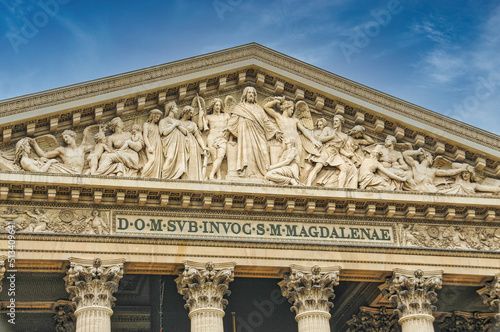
point(269, 108)
point(408, 156)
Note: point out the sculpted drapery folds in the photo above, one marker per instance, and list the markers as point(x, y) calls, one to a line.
point(337, 151)
point(153, 145)
point(252, 127)
point(196, 168)
point(123, 160)
point(193, 146)
point(174, 142)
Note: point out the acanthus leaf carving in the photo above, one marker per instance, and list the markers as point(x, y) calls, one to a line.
point(204, 286)
point(92, 283)
point(310, 289)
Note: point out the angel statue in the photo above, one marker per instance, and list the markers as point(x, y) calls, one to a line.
point(215, 120)
point(291, 125)
point(71, 155)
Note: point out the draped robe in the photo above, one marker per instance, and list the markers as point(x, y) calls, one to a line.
point(253, 128)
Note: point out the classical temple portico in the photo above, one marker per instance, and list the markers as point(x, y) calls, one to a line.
point(141, 201)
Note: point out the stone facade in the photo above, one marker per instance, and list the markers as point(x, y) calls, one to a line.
point(250, 157)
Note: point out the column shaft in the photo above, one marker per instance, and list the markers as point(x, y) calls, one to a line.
point(417, 323)
point(207, 320)
point(313, 321)
point(93, 319)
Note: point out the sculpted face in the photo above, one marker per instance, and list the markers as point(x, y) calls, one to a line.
point(68, 139)
point(336, 123)
point(321, 124)
point(251, 95)
point(217, 107)
point(389, 141)
point(466, 176)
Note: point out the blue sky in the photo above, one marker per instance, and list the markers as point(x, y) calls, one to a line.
point(442, 55)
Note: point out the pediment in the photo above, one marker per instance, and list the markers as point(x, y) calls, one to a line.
point(91, 107)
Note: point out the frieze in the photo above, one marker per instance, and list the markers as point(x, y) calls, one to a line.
point(256, 227)
point(274, 141)
point(450, 237)
point(43, 220)
point(252, 230)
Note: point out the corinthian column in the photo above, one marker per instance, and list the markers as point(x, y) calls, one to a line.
point(309, 291)
point(412, 294)
point(91, 284)
point(491, 295)
point(203, 286)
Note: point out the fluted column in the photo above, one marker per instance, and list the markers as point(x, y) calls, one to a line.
point(491, 295)
point(412, 294)
point(2, 270)
point(91, 284)
point(203, 286)
point(309, 291)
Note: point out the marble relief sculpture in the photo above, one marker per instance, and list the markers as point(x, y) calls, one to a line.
point(252, 127)
point(174, 141)
point(276, 141)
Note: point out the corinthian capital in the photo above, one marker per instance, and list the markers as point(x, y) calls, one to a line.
point(203, 285)
point(92, 283)
point(491, 295)
point(413, 292)
point(310, 289)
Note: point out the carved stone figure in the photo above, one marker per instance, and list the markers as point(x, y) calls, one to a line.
point(464, 183)
point(95, 224)
point(337, 151)
point(72, 155)
point(37, 221)
point(290, 126)
point(99, 148)
point(393, 161)
point(124, 158)
point(217, 138)
point(360, 139)
point(153, 145)
point(369, 178)
point(286, 171)
point(423, 172)
point(252, 127)
point(196, 167)
point(22, 158)
point(174, 141)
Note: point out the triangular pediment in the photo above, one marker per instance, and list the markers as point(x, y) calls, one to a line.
point(92, 107)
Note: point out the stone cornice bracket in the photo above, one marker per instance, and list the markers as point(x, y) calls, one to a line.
point(2, 270)
point(91, 283)
point(491, 295)
point(309, 290)
point(412, 294)
point(203, 285)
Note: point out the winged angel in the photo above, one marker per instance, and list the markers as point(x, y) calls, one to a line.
point(44, 154)
point(291, 124)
